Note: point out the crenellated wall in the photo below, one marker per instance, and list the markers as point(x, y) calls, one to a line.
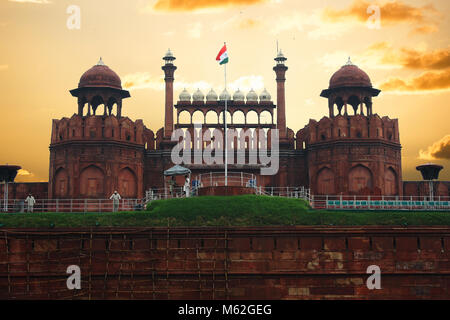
point(92, 156)
point(353, 155)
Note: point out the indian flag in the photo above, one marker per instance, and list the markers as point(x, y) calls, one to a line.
point(222, 57)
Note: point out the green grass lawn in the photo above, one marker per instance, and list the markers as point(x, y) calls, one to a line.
point(247, 210)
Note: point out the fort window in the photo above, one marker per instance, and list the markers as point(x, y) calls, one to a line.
point(358, 134)
point(112, 133)
point(92, 134)
point(323, 136)
point(73, 133)
point(212, 117)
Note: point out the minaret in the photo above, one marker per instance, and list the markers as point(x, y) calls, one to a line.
point(169, 70)
point(280, 70)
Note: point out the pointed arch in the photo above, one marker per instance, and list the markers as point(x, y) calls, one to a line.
point(325, 181)
point(92, 182)
point(390, 182)
point(61, 183)
point(127, 183)
point(359, 177)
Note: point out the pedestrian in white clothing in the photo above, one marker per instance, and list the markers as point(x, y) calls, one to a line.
point(187, 186)
point(115, 198)
point(30, 203)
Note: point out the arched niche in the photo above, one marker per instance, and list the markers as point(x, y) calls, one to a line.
point(359, 177)
point(127, 183)
point(325, 182)
point(212, 117)
point(252, 117)
point(95, 103)
point(265, 117)
point(228, 117)
point(61, 184)
point(198, 117)
point(354, 101)
point(92, 182)
point(238, 117)
point(184, 117)
point(390, 182)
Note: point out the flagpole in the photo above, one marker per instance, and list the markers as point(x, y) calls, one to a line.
point(226, 136)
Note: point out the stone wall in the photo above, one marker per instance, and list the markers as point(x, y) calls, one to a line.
point(226, 263)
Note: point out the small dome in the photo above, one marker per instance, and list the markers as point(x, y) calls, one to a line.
point(252, 96)
point(350, 75)
point(225, 95)
point(185, 96)
point(198, 96)
point(211, 96)
point(100, 75)
point(265, 96)
point(238, 96)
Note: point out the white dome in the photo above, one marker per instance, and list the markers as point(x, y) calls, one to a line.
point(184, 96)
point(238, 96)
point(265, 96)
point(198, 96)
point(225, 96)
point(211, 96)
point(252, 96)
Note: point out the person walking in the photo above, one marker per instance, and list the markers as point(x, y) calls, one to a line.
point(30, 203)
point(187, 186)
point(171, 185)
point(115, 197)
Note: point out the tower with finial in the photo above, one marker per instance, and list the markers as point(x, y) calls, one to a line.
point(169, 71)
point(280, 71)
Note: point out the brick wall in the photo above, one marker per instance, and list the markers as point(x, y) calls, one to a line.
point(227, 263)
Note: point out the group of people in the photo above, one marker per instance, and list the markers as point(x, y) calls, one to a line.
point(115, 197)
point(31, 201)
point(186, 186)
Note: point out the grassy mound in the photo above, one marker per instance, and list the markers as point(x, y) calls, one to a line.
point(247, 210)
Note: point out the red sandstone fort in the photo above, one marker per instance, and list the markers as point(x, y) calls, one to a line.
point(352, 151)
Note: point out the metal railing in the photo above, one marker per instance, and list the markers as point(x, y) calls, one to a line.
point(288, 192)
point(348, 202)
point(217, 179)
point(72, 205)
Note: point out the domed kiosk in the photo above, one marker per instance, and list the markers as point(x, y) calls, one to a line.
point(100, 86)
point(350, 86)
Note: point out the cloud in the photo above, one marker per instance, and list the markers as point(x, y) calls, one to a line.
point(410, 58)
point(310, 23)
point(3, 67)
point(237, 21)
point(23, 172)
point(391, 13)
point(427, 81)
point(249, 23)
point(439, 150)
point(195, 30)
point(143, 80)
point(32, 1)
point(195, 5)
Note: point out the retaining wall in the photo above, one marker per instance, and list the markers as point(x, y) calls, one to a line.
point(226, 263)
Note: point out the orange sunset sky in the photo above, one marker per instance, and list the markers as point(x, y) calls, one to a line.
point(41, 59)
